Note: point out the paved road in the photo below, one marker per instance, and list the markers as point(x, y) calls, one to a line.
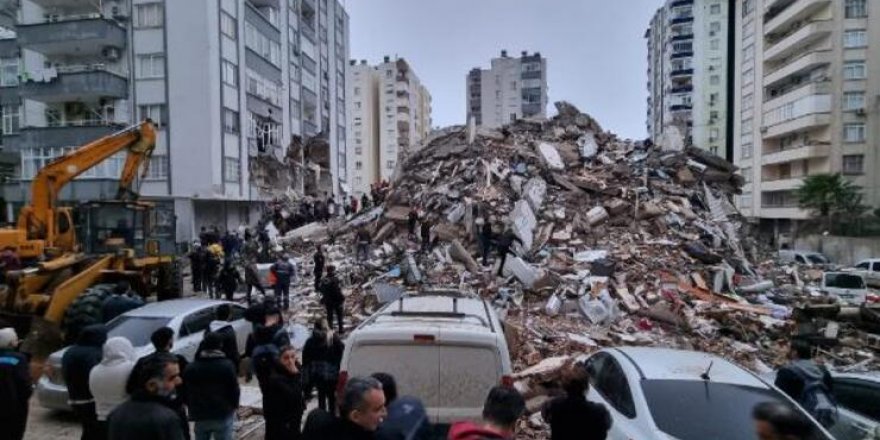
point(44, 424)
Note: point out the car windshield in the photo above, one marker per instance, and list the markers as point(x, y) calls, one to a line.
point(844, 281)
point(816, 259)
point(137, 329)
point(698, 410)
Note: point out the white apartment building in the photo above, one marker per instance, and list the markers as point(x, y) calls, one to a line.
point(808, 101)
point(389, 118)
point(511, 89)
point(688, 73)
point(228, 82)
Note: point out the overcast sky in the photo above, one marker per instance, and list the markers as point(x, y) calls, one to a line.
point(595, 50)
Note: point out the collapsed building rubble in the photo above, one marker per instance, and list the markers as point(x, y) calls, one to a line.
point(620, 242)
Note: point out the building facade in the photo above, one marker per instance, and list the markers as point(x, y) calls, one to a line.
point(511, 89)
point(390, 118)
point(689, 79)
point(808, 101)
point(228, 83)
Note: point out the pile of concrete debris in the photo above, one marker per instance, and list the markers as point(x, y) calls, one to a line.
point(623, 242)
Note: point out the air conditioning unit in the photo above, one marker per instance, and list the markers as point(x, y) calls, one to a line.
point(763, 129)
point(111, 53)
point(861, 112)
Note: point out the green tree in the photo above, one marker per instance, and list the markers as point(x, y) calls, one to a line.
point(830, 197)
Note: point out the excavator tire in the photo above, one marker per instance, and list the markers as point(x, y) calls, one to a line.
point(87, 309)
point(170, 281)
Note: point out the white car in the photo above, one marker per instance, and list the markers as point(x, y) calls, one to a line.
point(189, 318)
point(445, 347)
point(659, 393)
point(807, 258)
point(847, 287)
point(870, 270)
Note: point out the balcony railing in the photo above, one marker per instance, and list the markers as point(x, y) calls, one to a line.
point(682, 72)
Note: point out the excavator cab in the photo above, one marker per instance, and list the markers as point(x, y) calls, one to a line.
point(136, 227)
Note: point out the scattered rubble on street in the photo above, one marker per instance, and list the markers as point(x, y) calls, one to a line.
point(622, 243)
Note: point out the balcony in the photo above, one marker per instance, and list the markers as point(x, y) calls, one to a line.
point(681, 73)
point(783, 184)
point(798, 40)
point(265, 3)
point(788, 212)
point(83, 83)
point(813, 150)
point(677, 55)
point(799, 92)
point(680, 107)
point(64, 135)
point(684, 89)
point(82, 36)
point(678, 3)
point(802, 123)
point(678, 19)
point(798, 65)
point(798, 10)
point(9, 95)
point(684, 37)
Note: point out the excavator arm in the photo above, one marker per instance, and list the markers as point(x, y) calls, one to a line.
point(38, 219)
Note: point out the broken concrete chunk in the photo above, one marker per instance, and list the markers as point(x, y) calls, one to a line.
point(551, 156)
point(459, 253)
point(523, 222)
point(534, 192)
point(456, 213)
point(697, 250)
point(588, 146)
point(616, 206)
point(596, 215)
point(602, 267)
point(590, 256)
point(527, 274)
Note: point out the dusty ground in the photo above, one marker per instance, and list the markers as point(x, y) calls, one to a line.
point(44, 424)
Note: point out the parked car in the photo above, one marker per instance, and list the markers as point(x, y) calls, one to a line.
point(660, 393)
point(870, 270)
point(264, 269)
point(847, 287)
point(808, 258)
point(446, 347)
point(189, 318)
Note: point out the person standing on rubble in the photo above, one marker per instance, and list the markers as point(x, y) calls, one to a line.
point(572, 417)
point(319, 265)
point(505, 243)
point(284, 273)
point(411, 219)
point(485, 236)
point(365, 202)
point(426, 234)
point(808, 383)
point(332, 297)
point(354, 205)
point(363, 243)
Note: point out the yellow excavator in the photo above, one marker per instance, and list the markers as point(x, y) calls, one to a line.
point(74, 256)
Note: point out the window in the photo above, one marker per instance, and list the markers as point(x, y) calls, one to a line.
point(196, 322)
point(714, 134)
point(264, 88)
point(746, 151)
point(389, 73)
point(714, 80)
point(151, 66)
point(714, 149)
point(11, 118)
point(854, 70)
point(854, 132)
point(855, 38)
point(853, 100)
point(148, 15)
point(512, 117)
point(357, 106)
point(158, 168)
point(156, 112)
point(715, 9)
point(230, 121)
point(8, 72)
point(231, 169)
point(856, 9)
point(715, 26)
point(608, 379)
point(715, 44)
point(513, 85)
point(357, 91)
point(230, 74)
point(358, 150)
point(747, 175)
point(228, 26)
point(262, 45)
point(358, 165)
point(853, 164)
point(390, 165)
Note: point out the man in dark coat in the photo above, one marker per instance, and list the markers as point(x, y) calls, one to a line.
point(411, 219)
point(212, 391)
point(319, 265)
point(146, 416)
point(15, 385)
point(284, 273)
point(197, 259)
point(362, 410)
point(486, 236)
point(76, 364)
point(223, 327)
point(332, 297)
point(283, 403)
point(163, 340)
point(573, 417)
point(505, 243)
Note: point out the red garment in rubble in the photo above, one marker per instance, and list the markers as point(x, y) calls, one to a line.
point(471, 431)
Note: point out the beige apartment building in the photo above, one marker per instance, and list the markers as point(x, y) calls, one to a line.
point(389, 118)
point(807, 101)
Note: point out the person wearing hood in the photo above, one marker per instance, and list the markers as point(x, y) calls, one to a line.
point(107, 381)
point(322, 355)
point(212, 391)
point(503, 407)
point(16, 386)
point(146, 416)
point(808, 383)
point(76, 365)
point(222, 327)
point(283, 403)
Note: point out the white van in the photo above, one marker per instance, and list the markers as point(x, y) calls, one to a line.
point(444, 347)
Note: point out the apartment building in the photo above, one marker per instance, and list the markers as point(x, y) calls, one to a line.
point(689, 78)
point(389, 119)
point(228, 83)
point(511, 89)
point(808, 101)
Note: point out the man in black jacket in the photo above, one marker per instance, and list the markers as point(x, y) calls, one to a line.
point(284, 273)
point(76, 365)
point(212, 390)
point(319, 265)
point(163, 341)
point(573, 417)
point(505, 243)
point(146, 416)
point(361, 410)
point(332, 297)
point(223, 327)
point(15, 385)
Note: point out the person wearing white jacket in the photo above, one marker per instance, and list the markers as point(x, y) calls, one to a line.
point(107, 380)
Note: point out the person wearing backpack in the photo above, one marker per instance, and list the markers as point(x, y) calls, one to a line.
point(808, 384)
